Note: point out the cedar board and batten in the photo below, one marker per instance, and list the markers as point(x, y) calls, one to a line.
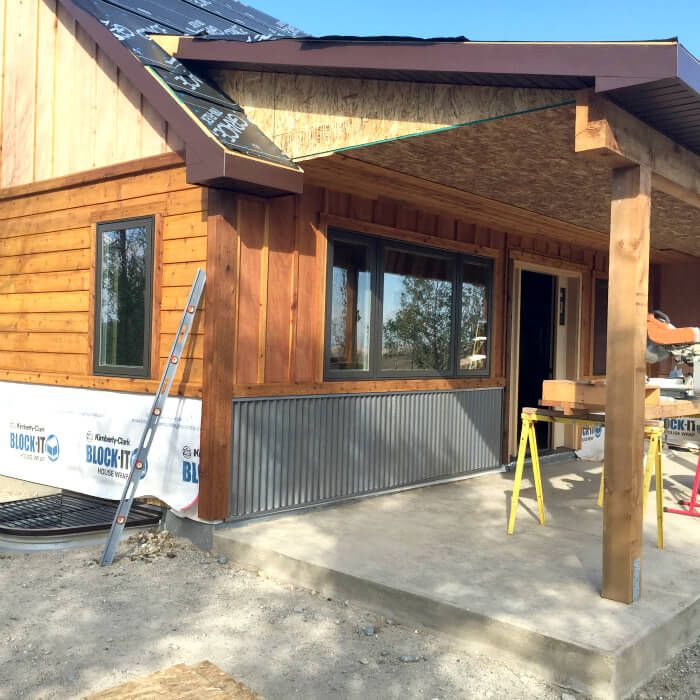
point(64, 106)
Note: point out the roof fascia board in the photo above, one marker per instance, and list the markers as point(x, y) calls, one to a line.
point(653, 61)
point(206, 160)
point(688, 69)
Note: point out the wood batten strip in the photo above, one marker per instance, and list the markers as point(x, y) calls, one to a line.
point(264, 286)
point(218, 370)
point(81, 381)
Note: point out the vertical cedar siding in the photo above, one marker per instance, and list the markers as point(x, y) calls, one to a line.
point(64, 106)
point(279, 341)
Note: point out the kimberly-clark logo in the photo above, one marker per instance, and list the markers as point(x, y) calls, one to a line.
point(32, 443)
point(52, 448)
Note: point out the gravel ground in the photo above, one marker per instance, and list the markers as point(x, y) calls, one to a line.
point(69, 627)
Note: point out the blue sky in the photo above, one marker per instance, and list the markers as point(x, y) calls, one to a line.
point(498, 20)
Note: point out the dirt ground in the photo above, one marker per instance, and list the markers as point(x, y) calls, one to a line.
point(69, 627)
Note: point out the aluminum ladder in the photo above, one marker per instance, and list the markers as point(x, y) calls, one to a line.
point(140, 457)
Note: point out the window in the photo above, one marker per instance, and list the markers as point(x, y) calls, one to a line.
point(350, 312)
point(398, 310)
point(123, 298)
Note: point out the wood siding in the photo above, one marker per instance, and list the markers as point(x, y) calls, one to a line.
point(47, 275)
point(64, 106)
point(282, 258)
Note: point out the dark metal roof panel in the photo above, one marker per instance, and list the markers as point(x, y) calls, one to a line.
point(669, 106)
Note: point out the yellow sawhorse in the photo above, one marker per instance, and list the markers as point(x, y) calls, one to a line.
point(654, 430)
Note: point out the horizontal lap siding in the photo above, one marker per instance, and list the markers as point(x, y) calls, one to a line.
point(47, 276)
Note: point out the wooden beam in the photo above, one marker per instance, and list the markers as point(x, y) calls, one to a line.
point(218, 373)
point(608, 134)
point(626, 368)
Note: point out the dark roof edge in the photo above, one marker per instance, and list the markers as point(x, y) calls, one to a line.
point(208, 162)
point(651, 60)
point(688, 68)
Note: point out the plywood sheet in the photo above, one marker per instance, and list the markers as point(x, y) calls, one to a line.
point(305, 114)
point(528, 161)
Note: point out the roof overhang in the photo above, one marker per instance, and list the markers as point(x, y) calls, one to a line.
point(657, 81)
point(208, 163)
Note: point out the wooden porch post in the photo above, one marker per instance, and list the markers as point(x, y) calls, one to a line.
point(624, 426)
point(218, 372)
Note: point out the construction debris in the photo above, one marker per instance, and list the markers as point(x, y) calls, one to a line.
point(151, 545)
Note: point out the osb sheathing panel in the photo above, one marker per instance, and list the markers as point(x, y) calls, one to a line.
point(529, 161)
point(306, 115)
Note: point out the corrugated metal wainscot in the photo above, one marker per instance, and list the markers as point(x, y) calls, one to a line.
point(296, 451)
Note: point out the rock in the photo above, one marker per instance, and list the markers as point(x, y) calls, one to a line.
point(337, 620)
point(368, 631)
point(364, 662)
point(389, 621)
point(385, 653)
point(346, 603)
point(567, 696)
point(408, 659)
point(222, 560)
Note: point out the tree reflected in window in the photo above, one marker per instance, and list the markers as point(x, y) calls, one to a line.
point(124, 255)
point(417, 312)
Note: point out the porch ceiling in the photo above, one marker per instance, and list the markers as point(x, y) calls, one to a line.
point(528, 161)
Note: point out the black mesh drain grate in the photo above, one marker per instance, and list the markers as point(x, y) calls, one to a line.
point(68, 514)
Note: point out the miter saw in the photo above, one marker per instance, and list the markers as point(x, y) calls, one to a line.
point(664, 340)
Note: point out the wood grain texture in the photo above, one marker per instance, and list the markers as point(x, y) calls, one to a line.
point(527, 167)
point(314, 114)
point(626, 368)
point(47, 270)
point(64, 107)
point(218, 374)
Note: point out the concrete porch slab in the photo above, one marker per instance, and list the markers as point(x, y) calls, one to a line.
point(440, 557)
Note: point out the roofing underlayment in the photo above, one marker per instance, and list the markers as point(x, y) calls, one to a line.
point(133, 22)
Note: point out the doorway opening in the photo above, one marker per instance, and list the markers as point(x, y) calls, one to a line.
point(545, 327)
point(537, 344)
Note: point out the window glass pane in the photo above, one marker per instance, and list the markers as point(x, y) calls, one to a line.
point(350, 307)
point(122, 299)
point(474, 331)
point(417, 312)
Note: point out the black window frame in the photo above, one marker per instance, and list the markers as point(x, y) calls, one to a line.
point(376, 246)
point(144, 370)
